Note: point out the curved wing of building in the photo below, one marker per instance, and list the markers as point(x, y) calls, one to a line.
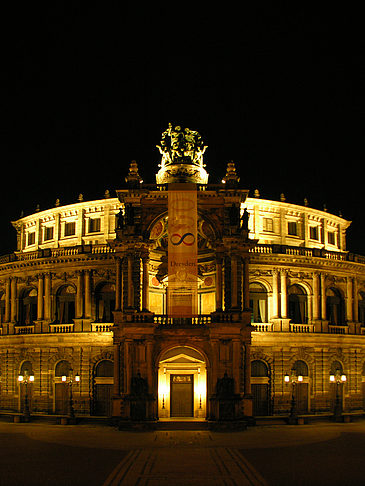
point(280, 304)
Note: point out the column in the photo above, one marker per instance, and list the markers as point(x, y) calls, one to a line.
point(130, 281)
point(87, 293)
point(116, 387)
point(214, 367)
point(219, 282)
point(149, 366)
point(79, 306)
point(145, 283)
point(247, 388)
point(275, 310)
point(315, 296)
point(47, 296)
point(127, 366)
point(7, 300)
point(246, 283)
point(236, 364)
point(349, 300)
point(40, 297)
point(323, 296)
point(118, 284)
point(13, 301)
point(283, 291)
point(356, 301)
point(234, 282)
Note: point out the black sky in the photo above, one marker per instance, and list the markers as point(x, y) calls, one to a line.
point(86, 89)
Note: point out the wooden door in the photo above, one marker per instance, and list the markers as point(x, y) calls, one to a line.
point(182, 387)
point(301, 397)
point(61, 398)
point(260, 394)
point(103, 399)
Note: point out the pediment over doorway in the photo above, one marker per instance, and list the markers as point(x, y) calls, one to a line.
point(182, 358)
point(182, 354)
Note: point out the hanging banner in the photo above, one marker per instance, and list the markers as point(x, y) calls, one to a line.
point(182, 294)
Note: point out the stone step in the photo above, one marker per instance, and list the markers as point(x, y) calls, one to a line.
point(182, 425)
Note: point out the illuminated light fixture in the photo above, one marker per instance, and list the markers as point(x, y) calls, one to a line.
point(64, 378)
point(31, 378)
point(332, 378)
point(343, 378)
point(300, 378)
point(286, 378)
point(20, 378)
point(77, 377)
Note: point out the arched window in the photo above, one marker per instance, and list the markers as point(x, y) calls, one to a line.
point(104, 368)
point(336, 366)
point(259, 369)
point(260, 388)
point(335, 308)
point(26, 368)
point(300, 368)
point(258, 303)
point(62, 368)
point(103, 387)
point(28, 306)
point(297, 305)
point(2, 307)
point(105, 303)
point(65, 304)
point(362, 307)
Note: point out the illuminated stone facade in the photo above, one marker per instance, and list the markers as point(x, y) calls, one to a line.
point(86, 290)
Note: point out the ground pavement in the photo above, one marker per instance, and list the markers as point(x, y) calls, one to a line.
point(277, 455)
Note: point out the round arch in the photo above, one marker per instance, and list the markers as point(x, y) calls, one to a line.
point(182, 382)
point(297, 304)
point(157, 228)
point(104, 301)
point(261, 387)
point(335, 306)
point(259, 301)
point(65, 303)
point(28, 305)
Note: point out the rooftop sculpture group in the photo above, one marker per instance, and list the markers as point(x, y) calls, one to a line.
point(180, 146)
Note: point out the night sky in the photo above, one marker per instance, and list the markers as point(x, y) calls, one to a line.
point(278, 90)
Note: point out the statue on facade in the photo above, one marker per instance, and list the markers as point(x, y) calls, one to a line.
point(244, 220)
point(225, 387)
point(120, 219)
point(180, 146)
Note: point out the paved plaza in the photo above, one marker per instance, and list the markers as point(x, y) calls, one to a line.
point(320, 454)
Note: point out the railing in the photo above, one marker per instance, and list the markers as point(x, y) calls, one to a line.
point(164, 320)
point(333, 329)
point(57, 252)
point(61, 328)
point(262, 326)
point(308, 252)
point(258, 249)
point(24, 329)
point(101, 326)
point(301, 328)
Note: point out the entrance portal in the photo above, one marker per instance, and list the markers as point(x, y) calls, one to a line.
point(182, 383)
point(182, 395)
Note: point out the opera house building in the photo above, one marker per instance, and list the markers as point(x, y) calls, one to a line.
point(182, 298)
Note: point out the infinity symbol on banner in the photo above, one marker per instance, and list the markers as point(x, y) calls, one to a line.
point(177, 239)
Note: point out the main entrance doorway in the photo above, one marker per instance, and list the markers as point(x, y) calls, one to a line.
point(182, 395)
point(182, 383)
